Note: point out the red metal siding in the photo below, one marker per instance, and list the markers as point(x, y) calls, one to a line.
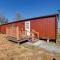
point(3, 27)
point(20, 24)
point(45, 27)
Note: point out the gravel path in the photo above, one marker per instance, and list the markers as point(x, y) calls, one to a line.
point(46, 46)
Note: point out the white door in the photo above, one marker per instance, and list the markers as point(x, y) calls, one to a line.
point(27, 27)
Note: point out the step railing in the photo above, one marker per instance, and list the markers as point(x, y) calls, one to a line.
point(33, 34)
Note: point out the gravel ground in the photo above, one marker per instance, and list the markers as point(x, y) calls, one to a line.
point(46, 46)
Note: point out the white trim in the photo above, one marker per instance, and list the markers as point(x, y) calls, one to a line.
point(27, 27)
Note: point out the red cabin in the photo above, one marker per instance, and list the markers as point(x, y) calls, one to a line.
point(46, 26)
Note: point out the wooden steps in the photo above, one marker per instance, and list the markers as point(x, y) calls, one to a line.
point(13, 39)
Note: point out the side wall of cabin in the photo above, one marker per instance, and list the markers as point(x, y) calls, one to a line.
point(46, 27)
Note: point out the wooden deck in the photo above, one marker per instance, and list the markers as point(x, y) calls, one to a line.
point(13, 39)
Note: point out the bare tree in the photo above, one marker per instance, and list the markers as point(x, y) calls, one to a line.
point(18, 16)
point(3, 20)
point(58, 11)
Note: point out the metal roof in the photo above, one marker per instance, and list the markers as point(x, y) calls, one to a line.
point(51, 15)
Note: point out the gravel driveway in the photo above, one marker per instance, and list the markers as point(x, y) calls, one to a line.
point(46, 46)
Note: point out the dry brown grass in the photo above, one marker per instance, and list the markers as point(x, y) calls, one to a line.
point(11, 51)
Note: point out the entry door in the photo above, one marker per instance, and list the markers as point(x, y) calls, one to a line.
point(27, 27)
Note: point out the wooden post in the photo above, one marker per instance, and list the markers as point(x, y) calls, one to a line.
point(17, 32)
point(48, 40)
point(20, 33)
point(7, 31)
point(33, 37)
point(10, 29)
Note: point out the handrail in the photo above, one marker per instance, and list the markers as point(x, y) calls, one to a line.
point(31, 32)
